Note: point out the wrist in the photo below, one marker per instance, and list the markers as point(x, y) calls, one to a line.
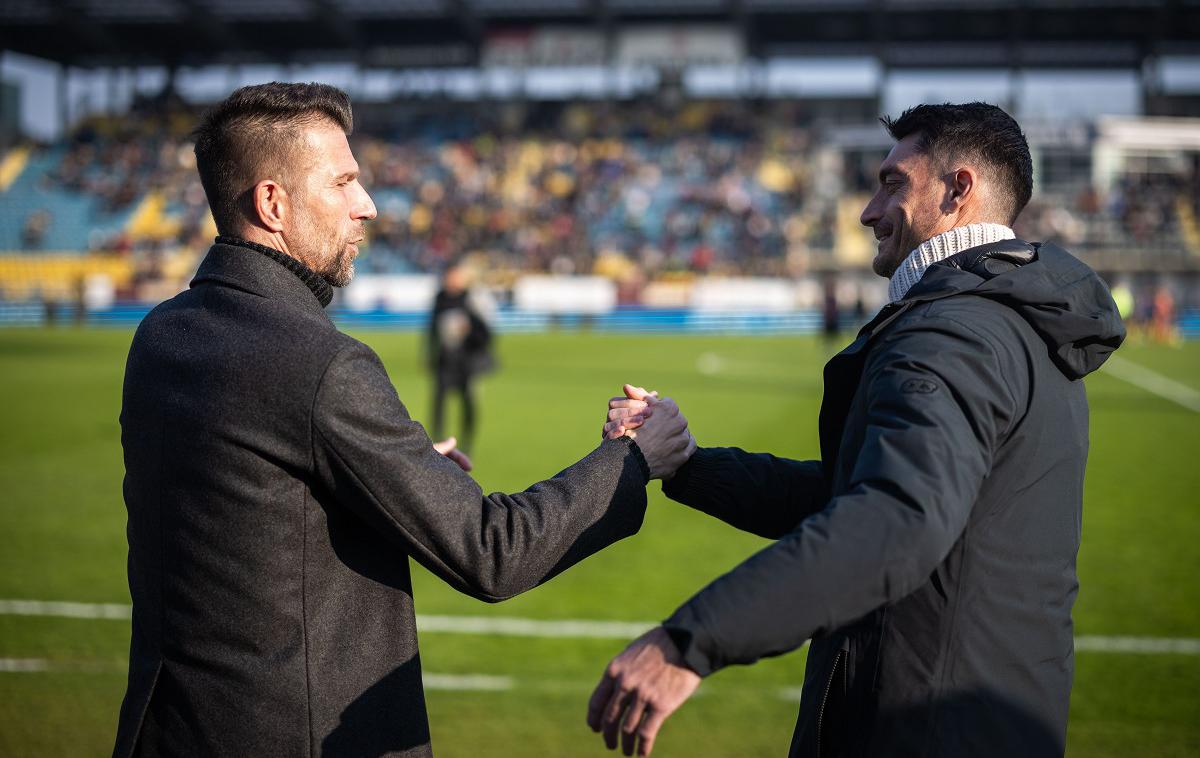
point(636, 453)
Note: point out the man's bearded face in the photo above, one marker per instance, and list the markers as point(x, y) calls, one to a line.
point(329, 206)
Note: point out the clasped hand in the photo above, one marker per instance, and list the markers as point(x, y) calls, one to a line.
point(660, 429)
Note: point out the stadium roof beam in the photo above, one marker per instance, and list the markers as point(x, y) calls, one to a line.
point(331, 17)
point(216, 31)
point(468, 20)
point(1032, 33)
point(94, 37)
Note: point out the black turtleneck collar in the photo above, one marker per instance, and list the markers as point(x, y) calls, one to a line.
point(311, 279)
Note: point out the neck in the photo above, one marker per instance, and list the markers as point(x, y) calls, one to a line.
point(939, 248)
point(266, 238)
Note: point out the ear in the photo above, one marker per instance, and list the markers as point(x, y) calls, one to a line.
point(962, 186)
point(271, 207)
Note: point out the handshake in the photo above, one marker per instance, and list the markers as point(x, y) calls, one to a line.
point(660, 430)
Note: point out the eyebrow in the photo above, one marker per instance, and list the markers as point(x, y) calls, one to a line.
point(347, 175)
point(887, 172)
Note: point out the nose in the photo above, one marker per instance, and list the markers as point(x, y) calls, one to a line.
point(872, 213)
point(364, 209)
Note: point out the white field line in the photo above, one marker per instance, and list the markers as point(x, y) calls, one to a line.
point(23, 665)
point(791, 694)
point(1144, 645)
point(467, 682)
point(509, 626)
point(63, 609)
point(1153, 382)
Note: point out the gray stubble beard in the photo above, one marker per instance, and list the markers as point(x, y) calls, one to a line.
point(341, 269)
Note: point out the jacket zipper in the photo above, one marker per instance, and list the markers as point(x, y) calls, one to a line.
point(837, 662)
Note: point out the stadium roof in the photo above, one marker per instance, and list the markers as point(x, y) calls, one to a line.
point(413, 33)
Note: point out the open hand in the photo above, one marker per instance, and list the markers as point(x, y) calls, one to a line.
point(640, 688)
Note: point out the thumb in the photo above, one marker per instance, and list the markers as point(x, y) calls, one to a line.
point(446, 445)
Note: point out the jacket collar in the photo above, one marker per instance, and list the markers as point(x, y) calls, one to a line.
point(262, 271)
point(944, 279)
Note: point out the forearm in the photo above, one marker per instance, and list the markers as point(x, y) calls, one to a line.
point(527, 538)
point(836, 567)
point(754, 492)
point(373, 460)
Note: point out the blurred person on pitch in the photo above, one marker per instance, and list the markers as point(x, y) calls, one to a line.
point(276, 486)
point(460, 349)
point(930, 553)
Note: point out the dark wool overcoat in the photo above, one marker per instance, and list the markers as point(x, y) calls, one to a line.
point(930, 553)
point(276, 489)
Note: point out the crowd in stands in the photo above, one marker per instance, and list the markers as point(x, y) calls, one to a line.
point(629, 190)
point(1145, 212)
point(703, 192)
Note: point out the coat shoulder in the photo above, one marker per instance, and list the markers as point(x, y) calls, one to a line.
point(987, 320)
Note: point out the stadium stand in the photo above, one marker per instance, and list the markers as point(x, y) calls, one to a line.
point(716, 188)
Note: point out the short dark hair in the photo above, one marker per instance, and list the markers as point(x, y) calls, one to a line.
point(976, 131)
point(254, 134)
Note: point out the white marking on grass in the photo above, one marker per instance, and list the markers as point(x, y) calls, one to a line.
point(63, 609)
point(1141, 645)
point(511, 626)
point(23, 665)
point(712, 364)
point(508, 626)
point(790, 694)
point(467, 682)
point(1153, 382)
point(709, 363)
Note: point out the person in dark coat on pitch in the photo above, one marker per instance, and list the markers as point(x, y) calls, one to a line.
point(460, 349)
point(277, 487)
point(929, 554)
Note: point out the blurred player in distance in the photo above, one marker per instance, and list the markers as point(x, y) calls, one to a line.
point(459, 350)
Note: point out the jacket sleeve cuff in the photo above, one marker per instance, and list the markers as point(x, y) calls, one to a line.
point(693, 641)
point(636, 453)
point(695, 480)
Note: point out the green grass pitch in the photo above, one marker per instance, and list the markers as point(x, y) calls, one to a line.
point(62, 538)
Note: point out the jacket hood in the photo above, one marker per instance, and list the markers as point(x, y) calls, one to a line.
point(1066, 303)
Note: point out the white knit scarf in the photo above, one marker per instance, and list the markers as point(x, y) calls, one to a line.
point(939, 248)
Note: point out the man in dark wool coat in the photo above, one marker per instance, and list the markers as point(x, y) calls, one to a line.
point(929, 555)
point(276, 486)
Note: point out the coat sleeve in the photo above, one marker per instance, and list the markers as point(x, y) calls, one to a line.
point(370, 457)
point(937, 405)
point(755, 492)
